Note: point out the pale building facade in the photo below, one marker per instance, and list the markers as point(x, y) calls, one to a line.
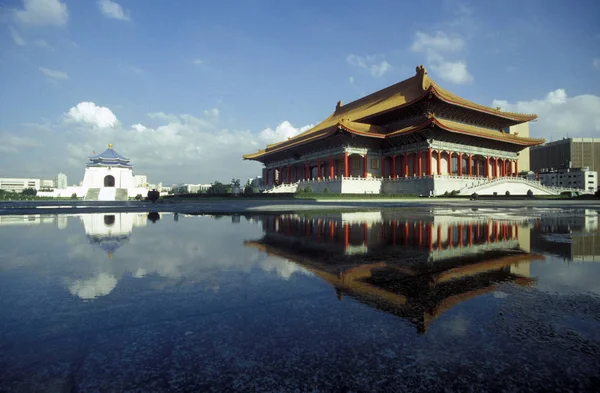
point(19, 184)
point(582, 178)
point(61, 181)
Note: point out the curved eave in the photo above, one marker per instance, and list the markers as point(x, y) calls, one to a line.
point(449, 98)
point(92, 165)
point(316, 136)
point(469, 130)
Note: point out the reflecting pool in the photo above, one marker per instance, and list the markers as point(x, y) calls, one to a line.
point(392, 300)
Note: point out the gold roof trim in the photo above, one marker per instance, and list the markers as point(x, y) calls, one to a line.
point(468, 129)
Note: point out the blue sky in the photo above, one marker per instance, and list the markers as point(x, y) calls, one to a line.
point(184, 88)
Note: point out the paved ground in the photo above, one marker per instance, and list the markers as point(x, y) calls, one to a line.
point(241, 205)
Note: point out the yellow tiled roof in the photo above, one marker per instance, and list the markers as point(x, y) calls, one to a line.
point(468, 129)
point(403, 93)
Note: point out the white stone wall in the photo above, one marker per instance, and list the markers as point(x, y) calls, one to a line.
point(361, 186)
point(94, 177)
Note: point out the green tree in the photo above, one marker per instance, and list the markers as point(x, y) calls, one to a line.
point(235, 182)
point(29, 192)
point(219, 188)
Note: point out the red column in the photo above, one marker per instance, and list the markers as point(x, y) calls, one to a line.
point(420, 163)
point(346, 164)
point(459, 164)
point(487, 167)
point(346, 234)
point(365, 162)
point(405, 164)
point(429, 162)
point(439, 162)
point(331, 230)
point(470, 165)
point(516, 168)
point(289, 174)
point(449, 162)
point(393, 168)
point(318, 169)
point(331, 167)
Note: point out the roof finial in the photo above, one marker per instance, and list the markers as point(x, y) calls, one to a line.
point(421, 70)
point(110, 145)
point(339, 105)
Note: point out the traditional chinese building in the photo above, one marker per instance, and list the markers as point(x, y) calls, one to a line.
point(413, 137)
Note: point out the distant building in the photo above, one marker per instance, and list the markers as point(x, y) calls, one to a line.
point(47, 183)
point(192, 188)
point(581, 178)
point(140, 180)
point(580, 152)
point(19, 184)
point(61, 181)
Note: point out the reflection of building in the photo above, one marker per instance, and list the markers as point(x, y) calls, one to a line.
point(573, 237)
point(414, 268)
point(27, 219)
point(419, 137)
point(111, 231)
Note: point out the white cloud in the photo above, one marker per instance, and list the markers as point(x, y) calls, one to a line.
point(440, 42)
point(113, 10)
point(198, 62)
point(54, 74)
point(433, 45)
point(16, 37)
point(42, 44)
point(94, 287)
point(91, 114)
point(175, 148)
point(139, 128)
point(450, 71)
point(560, 115)
point(10, 143)
point(375, 64)
point(351, 80)
point(596, 63)
point(282, 132)
point(43, 13)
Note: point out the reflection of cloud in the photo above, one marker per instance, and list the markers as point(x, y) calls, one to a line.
point(457, 326)
point(101, 285)
point(282, 267)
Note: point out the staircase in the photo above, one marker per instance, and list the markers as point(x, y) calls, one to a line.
point(107, 194)
point(121, 195)
point(283, 188)
point(92, 194)
point(514, 182)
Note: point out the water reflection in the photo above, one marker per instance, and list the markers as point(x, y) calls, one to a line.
point(413, 268)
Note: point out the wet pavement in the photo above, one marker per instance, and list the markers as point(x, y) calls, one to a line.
point(419, 299)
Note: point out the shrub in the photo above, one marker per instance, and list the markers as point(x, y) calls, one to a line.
point(139, 197)
point(326, 190)
point(73, 196)
point(507, 193)
point(153, 195)
point(308, 189)
point(248, 190)
point(529, 194)
point(454, 193)
point(474, 195)
point(446, 193)
point(495, 193)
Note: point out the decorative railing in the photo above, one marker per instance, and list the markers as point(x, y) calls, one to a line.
point(534, 183)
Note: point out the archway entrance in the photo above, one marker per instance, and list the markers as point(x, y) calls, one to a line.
point(109, 181)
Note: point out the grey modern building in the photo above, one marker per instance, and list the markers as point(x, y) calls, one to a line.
point(567, 152)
